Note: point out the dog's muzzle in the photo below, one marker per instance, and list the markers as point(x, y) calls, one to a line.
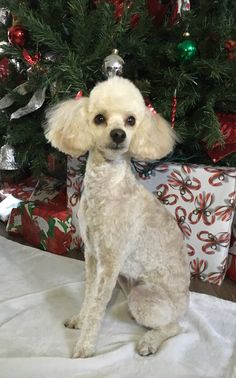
point(118, 135)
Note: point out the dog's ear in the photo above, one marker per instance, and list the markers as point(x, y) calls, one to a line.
point(153, 139)
point(67, 127)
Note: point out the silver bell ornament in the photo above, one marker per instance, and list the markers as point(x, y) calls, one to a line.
point(7, 158)
point(113, 65)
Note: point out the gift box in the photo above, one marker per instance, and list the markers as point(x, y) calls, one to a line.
point(44, 189)
point(228, 130)
point(75, 174)
point(44, 221)
point(44, 225)
point(231, 272)
point(47, 188)
point(21, 190)
point(14, 224)
point(202, 199)
point(11, 194)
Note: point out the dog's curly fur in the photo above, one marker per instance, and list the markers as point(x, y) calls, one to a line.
point(128, 233)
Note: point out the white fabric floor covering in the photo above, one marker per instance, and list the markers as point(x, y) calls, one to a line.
point(39, 290)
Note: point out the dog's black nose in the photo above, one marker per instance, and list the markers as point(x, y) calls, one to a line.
point(117, 135)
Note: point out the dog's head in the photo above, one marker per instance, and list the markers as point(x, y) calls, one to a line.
point(114, 120)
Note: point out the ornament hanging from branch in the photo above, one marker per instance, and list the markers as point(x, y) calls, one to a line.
point(230, 46)
point(17, 35)
point(8, 99)
point(113, 65)
point(173, 109)
point(7, 158)
point(31, 59)
point(183, 7)
point(187, 48)
point(38, 97)
point(5, 17)
point(35, 103)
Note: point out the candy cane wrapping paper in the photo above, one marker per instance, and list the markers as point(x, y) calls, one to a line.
point(75, 174)
point(201, 198)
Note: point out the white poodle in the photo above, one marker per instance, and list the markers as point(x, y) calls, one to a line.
point(128, 234)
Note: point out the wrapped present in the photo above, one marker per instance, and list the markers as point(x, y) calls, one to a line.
point(11, 194)
point(46, 189)
point(228, 130)
point(14, 224)
point(7, 205)
point(75, 174)
point(21, 190)
point(231, 272)
point(202, 199)
point(44, 225)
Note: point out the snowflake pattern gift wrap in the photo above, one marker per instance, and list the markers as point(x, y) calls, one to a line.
point(202, 199)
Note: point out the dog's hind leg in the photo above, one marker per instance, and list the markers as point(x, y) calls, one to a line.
point(90, 279)
point(150, 342)
point(152, 308)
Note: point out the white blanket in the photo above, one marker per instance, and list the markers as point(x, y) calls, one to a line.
point(39, 290)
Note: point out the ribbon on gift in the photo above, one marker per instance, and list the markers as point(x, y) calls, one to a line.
point(213, 242)
point(198, 267)
point(181, 216)
point(203, 203)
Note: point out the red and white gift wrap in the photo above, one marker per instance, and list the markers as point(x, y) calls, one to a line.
point(202, 199)
point(22, 190)
point(45, 225)
point(44, 220)
point(75, 175)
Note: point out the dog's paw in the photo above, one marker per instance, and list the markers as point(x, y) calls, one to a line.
point(83, 350)
point(73, 322)
point(148, 344)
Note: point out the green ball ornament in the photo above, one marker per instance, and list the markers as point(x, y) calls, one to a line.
point(186, 50)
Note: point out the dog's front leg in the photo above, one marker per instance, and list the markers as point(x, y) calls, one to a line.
point(107, 274)
point(90, 282)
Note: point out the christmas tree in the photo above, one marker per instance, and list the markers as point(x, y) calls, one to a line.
point(182, 61)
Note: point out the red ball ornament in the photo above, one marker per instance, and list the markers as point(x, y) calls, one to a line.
point(17, 35)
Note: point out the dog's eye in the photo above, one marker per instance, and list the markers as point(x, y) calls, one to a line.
point(130, 121)
point(99, 119)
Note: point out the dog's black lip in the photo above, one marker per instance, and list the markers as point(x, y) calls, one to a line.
point(115, 147)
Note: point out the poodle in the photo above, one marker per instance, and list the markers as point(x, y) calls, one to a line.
point(129, 235)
